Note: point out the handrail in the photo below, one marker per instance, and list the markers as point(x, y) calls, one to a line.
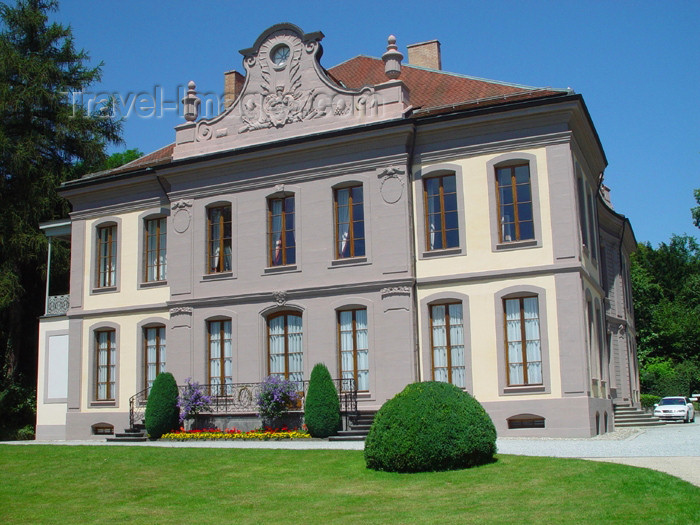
point(241, 398)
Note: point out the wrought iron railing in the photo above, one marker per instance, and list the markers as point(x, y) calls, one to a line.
point(242, 398)
point(57, 304)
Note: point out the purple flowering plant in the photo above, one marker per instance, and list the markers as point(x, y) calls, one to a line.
point(192, 400)
point(276, 394)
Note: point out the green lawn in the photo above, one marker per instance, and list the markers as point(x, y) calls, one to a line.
point(120, 485)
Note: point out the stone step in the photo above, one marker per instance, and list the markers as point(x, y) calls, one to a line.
point(343, 437)
point(127, 439)
point(648, 423)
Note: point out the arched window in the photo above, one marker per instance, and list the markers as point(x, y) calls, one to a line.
point(106, 262)
point(219, 239)
point(105, 364)
point(441, 213)
point(280, 221)
point(447, 343)
point(155, 249)
point(523, 348)
point(154, 353)
point(349, 222)
point(514, 201)
point(353, 346)
point(220, 355)
point(285, 345)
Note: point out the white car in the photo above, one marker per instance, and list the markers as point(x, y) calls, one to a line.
point(675, 408)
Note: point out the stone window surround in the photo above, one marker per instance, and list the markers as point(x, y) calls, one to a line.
point(426, 349)
point(509, 159)
point(512, 292)
point(436, 170)
point(92, 364)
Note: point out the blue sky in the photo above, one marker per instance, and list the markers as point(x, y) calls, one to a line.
point(636, 64)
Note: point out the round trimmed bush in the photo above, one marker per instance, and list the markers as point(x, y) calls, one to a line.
point(322, 409)
point(162, 412)
point(430, 426)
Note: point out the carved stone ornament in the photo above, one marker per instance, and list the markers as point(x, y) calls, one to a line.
point(182, 215)
point(181, 310)
point(288, 93)
point(280, 297)
point(395, 290)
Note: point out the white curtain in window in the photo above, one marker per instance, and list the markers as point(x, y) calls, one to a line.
point(152, 356)
point(277, 346)
point(515, 352)
point(439, 343)
point(362, 350)
point(344, 223)
point(532, 334)
point(228, 354)
point(296, 350)
point(162, 260)
point(457, 344)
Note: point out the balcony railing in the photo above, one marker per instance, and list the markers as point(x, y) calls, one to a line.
point(57, 304)
point(242, 398)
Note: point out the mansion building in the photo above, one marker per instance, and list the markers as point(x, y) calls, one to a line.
point(394, 221)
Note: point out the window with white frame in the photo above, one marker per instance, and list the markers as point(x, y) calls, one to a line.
point(281, 241)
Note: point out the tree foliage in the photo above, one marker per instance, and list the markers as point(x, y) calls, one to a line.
point(322, 410)
point(666, 290)
point(162, 409)
point(696, 210)
point(42, 137)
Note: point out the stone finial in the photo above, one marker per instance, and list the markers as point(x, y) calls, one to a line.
point(392, 59)
point(191, 102)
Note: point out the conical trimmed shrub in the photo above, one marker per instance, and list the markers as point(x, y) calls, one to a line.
point(162, 412)
point(430, 426)
point(322, 409)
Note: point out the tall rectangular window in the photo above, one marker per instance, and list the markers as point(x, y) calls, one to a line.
point(349, 223)
point(106, 256)
point(523, 349)
point(582, 210)
point(354, 347)
point(220, 356)
point(447, 342)
point(105, 363)
point(155, 238)
point(441, 217)
point(514, 203)
point(591, 224)
point(154, 345)
point(281, 244)
point(219, 239)
point(285, 346)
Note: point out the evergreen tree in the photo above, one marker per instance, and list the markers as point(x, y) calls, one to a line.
point(322, 408)
point(42, 138)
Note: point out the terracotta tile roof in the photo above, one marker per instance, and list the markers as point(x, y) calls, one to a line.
point(156, 158)
point(435, 89)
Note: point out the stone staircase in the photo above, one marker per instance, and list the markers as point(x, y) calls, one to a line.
point(357, 429)
point(130, 435)
point(627, 416)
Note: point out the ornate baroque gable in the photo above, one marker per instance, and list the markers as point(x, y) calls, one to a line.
point(288, 94)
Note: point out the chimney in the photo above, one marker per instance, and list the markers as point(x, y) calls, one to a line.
point(233, 84)
point(425, 54)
